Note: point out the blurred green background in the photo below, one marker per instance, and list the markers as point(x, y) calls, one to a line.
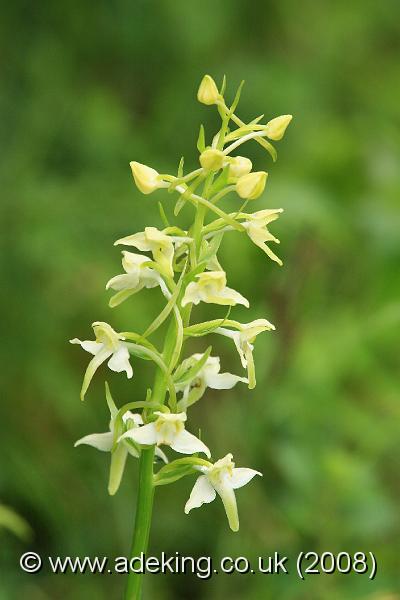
point(85, 88)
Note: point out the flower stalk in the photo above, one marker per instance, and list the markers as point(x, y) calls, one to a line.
point(182, 265)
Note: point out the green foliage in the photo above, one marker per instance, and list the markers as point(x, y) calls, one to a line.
point(84, 92)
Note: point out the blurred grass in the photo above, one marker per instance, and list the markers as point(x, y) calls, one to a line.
point(85, 89)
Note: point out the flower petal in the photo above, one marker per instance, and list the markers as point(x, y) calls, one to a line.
point(146, 435)
point(101, 441)
point(223, 381)
point(88, 345)
point(234, 297)
point(123, 282)
point(202, 493)
point(242, 476)
point(120, 361)
point(137, 240)
point(192, 295)
point(187, 443)
point(135, 417)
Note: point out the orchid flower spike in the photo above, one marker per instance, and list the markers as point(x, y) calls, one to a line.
point(136, 277)
point(208, 376)
point(243, 341)
point(221, 478)
point(211, 287)
point(147, 179)
point(119, 453)
point(256, 227)
point(168, 429)
point(158, 243)
point(108, 344)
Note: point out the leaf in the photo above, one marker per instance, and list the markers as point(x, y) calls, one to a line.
point(180, 167)
point(201, 141)
point(179, 468)
point(211, 249)
point(185, 374)
point(178, 473)
point(256, 120)
point(237, 97)
point(158, 321)
point(182, 198)
point(223, 86)
point(207, 327)
point(163, 215)
point(221, 181)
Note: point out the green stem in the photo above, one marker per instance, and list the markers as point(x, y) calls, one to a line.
point(146, 477)
point(142, 521)
point(144, 506)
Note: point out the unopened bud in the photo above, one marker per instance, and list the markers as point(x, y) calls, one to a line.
point(212, 159)
point(208, 92)
point(276, 128)
point(146, 178)
point(251, 186)
point(239, 166)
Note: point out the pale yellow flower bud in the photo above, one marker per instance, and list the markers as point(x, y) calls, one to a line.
point(212, 159)
point(239, 166)
point(208, 91)
point(251, 186)
point(146, 178)
point(276, 128)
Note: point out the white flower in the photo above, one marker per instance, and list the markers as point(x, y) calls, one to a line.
point(251, 186)
point(208, 91)
point(276, 128)
point(211, 287)
point(168, 429)
point(136, 277)
point(256, 227)
point(147, 179)
point(221, 478)
point(208, 376)
point(105, 442)
point(158, 243)
point(108, 344)
point(243, 341)
point(239, 166)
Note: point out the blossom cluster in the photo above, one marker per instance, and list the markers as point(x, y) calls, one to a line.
point(184, 265)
